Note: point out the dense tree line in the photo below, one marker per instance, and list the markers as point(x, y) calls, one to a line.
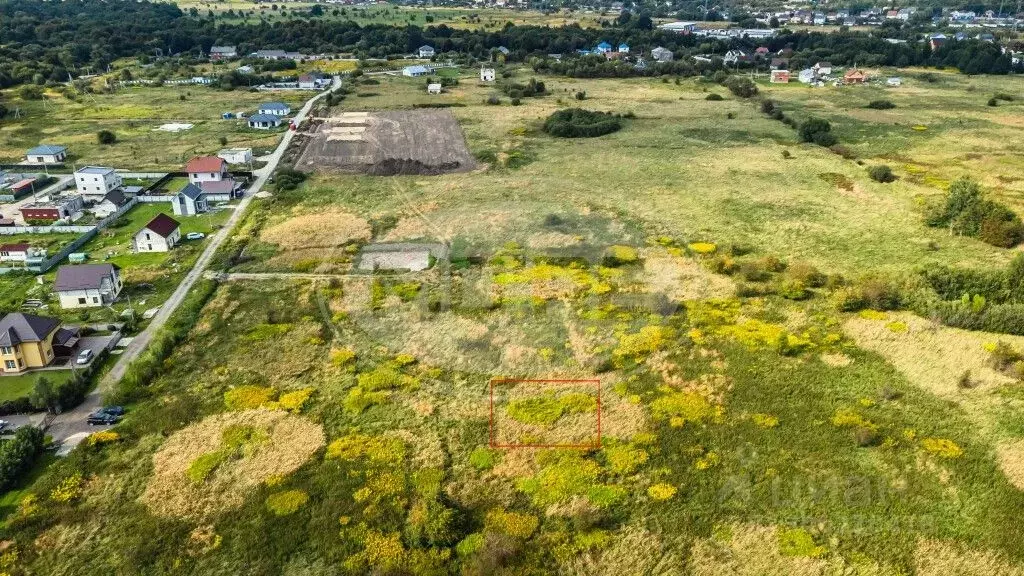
point(47, 41)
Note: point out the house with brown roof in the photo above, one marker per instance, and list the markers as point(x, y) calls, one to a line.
point(87, 285)
point(854, 76)
point(206, 169)
point(28, 341)
point(14, 252)
point(160, 235)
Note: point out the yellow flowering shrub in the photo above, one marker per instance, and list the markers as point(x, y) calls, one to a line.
point(104, 437)
point(375, 449)
point(712, 312)
point(683, 407)
point(287, 502)
point(68, 489)
point(942, 447)
point(897, 327)
point(847, 417)
point(358, 400)
point(619, 255)
point(624, 459)
point(661, 491)
point(512, 524)
point(703, 247)
point(28, 505)
point(294, 400)
point(764, 420)
point(342, 357)
point(383, 551)
point(872, 315)
point(709, 460)
point(798, 542)
point(248, 397)
point(648, 339)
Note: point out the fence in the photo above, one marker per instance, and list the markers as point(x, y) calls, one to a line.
point(52, 261)
point(149, 198)
point(10, 230)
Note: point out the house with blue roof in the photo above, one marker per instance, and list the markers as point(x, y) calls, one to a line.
point(46, 154)
point(274, 109)
point(624, 48)
point(417, 70)
point(602, 48)
point(264, 121)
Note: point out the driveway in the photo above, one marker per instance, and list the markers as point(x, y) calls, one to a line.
point(11, 209)
point(67, 428)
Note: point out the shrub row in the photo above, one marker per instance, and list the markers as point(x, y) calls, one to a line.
point(966, 211)
point(18, 455)
point(150, 364)
point(579, 123)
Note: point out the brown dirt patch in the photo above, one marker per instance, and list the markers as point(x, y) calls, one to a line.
point(324, 229)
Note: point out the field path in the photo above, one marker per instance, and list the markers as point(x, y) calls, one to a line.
point(67, 428)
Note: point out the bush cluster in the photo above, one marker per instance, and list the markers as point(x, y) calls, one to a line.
point(966, 211)
point(18, 455)
point(817, 131)
point(579, 123)
point(741, 86)
point(881, 173)
point(881, 105)
point(288, 179)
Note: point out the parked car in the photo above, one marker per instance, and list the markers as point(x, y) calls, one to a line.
point(195, 236)
point(84, 357)
point(5, 427)
point(113, 410)
point(101, 418)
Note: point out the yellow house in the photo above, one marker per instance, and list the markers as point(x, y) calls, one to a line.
point(28, 341)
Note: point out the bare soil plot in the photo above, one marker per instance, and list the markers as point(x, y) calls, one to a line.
point(424, 142)
point(401, 256)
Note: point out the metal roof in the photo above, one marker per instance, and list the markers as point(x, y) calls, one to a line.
point(264, 118)
point(16, 328)
point(47, 150)
point(94, 170)
point(163, 225)
point(192, 191)
point(274, 106)
point(82, 276)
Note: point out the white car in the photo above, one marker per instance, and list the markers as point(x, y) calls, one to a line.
point(84, 357)
point(195, 236)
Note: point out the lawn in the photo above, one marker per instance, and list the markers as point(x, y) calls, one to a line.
point(12, 387)
point(747, 424)
point(133, 114)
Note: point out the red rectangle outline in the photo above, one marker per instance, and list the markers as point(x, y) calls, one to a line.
point(490, 427)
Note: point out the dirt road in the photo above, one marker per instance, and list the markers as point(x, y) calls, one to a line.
point(70, 428)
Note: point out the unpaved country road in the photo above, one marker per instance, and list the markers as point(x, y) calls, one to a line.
point(68, 428)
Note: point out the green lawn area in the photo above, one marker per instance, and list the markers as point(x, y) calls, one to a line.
point(10, 500)
point(12, 387)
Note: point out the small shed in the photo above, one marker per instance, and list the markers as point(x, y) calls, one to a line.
point(433, 88)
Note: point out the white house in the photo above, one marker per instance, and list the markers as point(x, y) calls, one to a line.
point(823, 68)
point(662, 54)
point(264, 121)
point(274, 109)
point(95, 182)
point(433, 88)
point(416, 70)
point(189, 201)
point(46, 154)
point(236, 155)
point(160, 235)
point(487, 74)
point(110, 203)
point(733, 57)
point(87, 285)
point(806, 76)
point(426, 51)
point(206, 169)
point(222, 52)
point(14, 252)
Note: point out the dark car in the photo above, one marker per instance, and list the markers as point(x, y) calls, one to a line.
point(102, 419)
point(113, 410)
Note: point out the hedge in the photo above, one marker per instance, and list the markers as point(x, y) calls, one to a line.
point(18, 455)
point(579, 123)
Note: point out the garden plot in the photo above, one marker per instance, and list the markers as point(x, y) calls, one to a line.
point(389, 143)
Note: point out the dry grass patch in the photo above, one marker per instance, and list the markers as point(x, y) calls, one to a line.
point(285, 443)
point(930, 356)
point(682, 278)
point(1011, 461)
point(938, 558)
point(323, 229)
point(836, 359)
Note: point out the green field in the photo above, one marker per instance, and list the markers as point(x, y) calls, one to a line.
point(12, 387)
point(689, 262)
point(133, 114)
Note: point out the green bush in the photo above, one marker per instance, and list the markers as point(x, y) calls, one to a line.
point(741, 86)
point(18, 455)
point(881, 173)
point(818, 131)
point(579, 123)
point(714, 97)
point(881, 105)
point(966, 211)
point(106, 137)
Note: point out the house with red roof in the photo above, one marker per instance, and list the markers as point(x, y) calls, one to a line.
point(14, 252)
point(206, 169)
point(160, 235)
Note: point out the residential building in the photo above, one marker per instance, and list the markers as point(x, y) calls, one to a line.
point(236, 155)
point(624, 48)
point(807, 76)
point(61, 208)
point(416, 70)
point(46, 154)
point(159, 235)
point(487, 74)
point(206, 169)
point(270, 54)
point(312, 81)
point(14, 252)
point(87, 285)
point(734, 57)
point(94, 182)
point(223, 52)
point(779, 64)
point(679, 27)
point(602, 48)
point(662, 54)
point(823, 68)
point(190, 201)
point(221, 190)
point(264, 121)
point(274, 109)
point(854, 76)
point(28, 341)
point(425, 51)
point(779, 77)
point(504, 50)
point(936, 41)
point(110, 204)
point(433, 88)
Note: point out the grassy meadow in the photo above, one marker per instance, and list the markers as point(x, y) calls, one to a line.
point(133, 114)
point(344, 425)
